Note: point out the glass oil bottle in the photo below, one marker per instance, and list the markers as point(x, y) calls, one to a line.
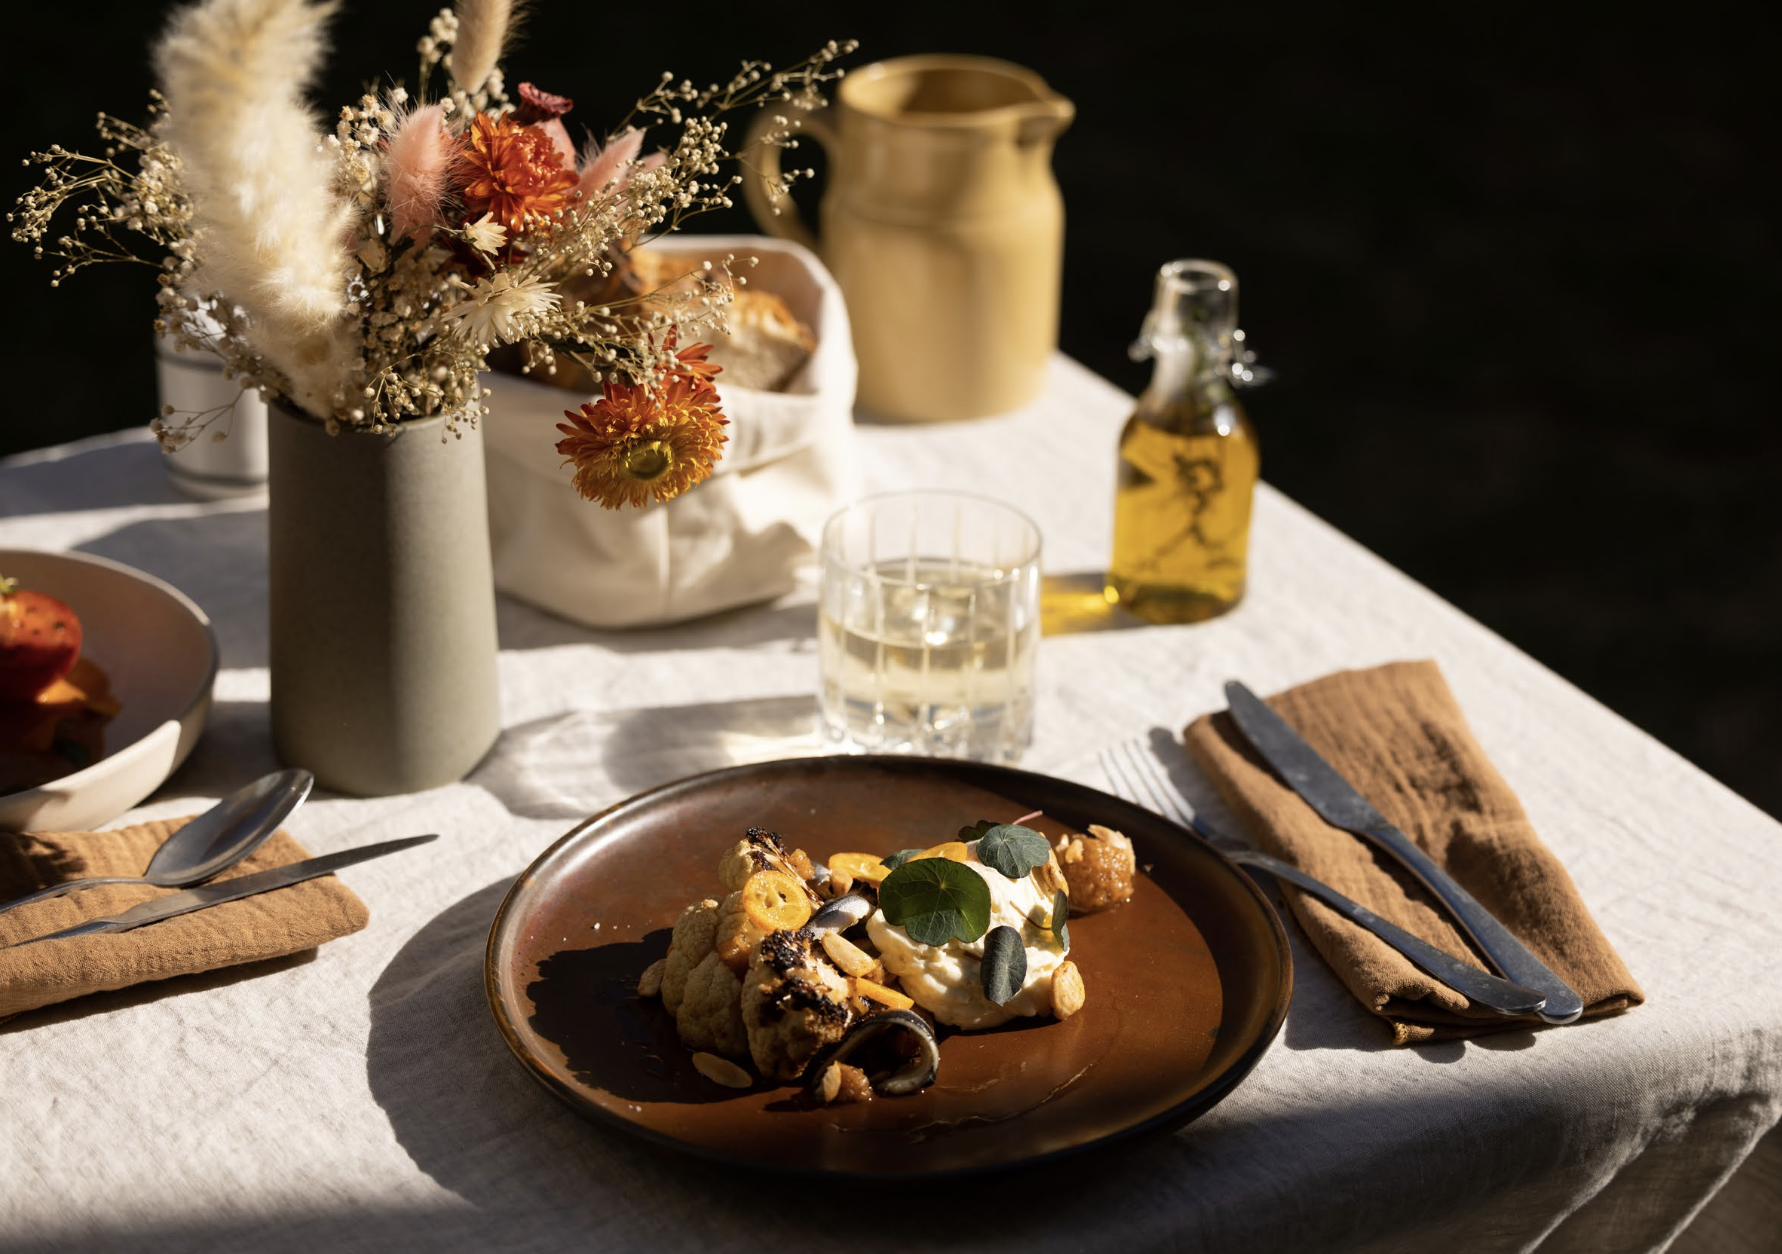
point(1188, 456)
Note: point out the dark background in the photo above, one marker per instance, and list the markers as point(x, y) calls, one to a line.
point(1518, 286)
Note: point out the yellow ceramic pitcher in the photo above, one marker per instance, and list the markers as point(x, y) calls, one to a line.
point(943, 225)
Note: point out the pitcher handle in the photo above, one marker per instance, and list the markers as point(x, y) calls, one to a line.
point(773, 213)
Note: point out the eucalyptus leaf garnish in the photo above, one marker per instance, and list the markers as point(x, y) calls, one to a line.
point(897, 859)
point(1061, 912)
point(1005, 964)
point(935, 900)
point(1013, 850)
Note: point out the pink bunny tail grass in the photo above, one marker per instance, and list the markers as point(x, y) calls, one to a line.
point(611, 164)
point(560, 140)
point(417, 170)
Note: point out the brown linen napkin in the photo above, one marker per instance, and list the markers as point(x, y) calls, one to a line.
point(1396, 734)
point(267, 925)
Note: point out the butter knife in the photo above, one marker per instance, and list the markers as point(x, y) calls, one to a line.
point(153, 911)
point(1340, 805)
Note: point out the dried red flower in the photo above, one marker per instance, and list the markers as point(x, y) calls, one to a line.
point(538, 105)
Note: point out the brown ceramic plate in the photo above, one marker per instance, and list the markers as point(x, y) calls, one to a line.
point(1188, 982)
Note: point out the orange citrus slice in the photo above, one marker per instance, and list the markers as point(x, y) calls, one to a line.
point(952, 851)
point(862, 866)
point(879, 993)
point(774, 900)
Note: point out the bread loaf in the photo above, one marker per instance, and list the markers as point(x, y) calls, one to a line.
point(765, 344)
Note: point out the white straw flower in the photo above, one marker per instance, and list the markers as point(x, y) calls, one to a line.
point(502, 309)
point(486, 235)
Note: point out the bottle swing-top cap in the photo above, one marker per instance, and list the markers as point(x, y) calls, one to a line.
point(1195, 311)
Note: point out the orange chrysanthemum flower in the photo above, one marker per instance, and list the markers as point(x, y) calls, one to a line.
point(511, 171)
point(633, 444)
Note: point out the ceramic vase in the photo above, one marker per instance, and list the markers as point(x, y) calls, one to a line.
point(382, 604)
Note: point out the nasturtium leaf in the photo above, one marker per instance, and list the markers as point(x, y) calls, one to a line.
point(975, 830)
point(935, 900)
point(899, 858)
point(1061, 912)
point(1014, 851)
point(1005, 964)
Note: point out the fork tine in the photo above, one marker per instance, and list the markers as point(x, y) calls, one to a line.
point(1113, 765)
point(1125, 766)
point(1159, 785)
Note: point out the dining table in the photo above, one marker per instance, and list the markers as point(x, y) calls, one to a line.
point(359, 1097)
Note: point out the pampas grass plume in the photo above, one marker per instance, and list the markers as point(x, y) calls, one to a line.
point(483, 28)
point(417, 169)
point(268, 227)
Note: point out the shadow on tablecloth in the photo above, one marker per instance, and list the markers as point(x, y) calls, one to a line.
point(123, 475)
point(577, 762)
point(523, 626)
point(218, 560)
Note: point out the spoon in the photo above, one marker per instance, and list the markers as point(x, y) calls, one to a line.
point(217, 839)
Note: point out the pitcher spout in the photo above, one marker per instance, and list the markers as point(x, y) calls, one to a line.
point(1047, 118)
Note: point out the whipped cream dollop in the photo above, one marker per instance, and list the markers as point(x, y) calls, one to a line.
point(947, 979)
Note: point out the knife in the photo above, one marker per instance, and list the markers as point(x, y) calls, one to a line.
point(153, 911)
point(1337, 802)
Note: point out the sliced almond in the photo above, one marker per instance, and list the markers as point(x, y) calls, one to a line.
point(847, 955)
point(1068, 993)
point(830, 1083)
point(649, 984)
point(722, 1071)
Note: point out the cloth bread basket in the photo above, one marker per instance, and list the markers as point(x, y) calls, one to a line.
point(739, 537)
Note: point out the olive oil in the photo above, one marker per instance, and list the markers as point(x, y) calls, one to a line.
point(1188, 458)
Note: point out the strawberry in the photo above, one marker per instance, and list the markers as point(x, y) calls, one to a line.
point(39, 641)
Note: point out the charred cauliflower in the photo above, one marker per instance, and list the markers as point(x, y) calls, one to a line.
point(794, 1003)
point(762, 850)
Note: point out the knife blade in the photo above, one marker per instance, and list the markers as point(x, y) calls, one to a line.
point(158, 908)
point(1339, 804)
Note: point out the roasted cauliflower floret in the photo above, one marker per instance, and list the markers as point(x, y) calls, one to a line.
point(794, 1003)
point(1099, 868)
point(694, 934)
point(762, 850)
point(710, 1014)
point(737, 934)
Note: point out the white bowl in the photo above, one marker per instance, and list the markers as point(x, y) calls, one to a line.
point(160, 654)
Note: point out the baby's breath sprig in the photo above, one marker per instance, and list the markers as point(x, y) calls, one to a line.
point(132, 187)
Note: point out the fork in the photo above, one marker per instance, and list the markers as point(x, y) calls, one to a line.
point(1136, 775)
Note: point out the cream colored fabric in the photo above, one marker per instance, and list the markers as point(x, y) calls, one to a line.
point(738, 538)
point(363, 1101)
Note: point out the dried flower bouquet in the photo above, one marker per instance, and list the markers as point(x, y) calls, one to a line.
point(365, 276)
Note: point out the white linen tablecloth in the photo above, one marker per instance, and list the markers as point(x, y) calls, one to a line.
point(361, 1099)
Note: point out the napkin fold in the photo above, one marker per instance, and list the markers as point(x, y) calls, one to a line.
point(267, 925)
point(1396, 733)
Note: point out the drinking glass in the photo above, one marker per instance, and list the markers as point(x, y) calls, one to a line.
point(928, 626)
